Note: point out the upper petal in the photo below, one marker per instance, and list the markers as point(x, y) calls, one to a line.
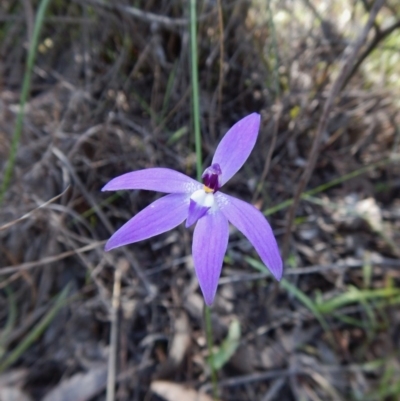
point(210, 240)
point(162, 215)
point(154, 179)
point(236, 146)
point(252, 223)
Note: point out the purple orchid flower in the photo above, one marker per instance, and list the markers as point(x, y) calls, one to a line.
point(204, 204)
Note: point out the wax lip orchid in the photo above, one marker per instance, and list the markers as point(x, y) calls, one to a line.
point(203, 204)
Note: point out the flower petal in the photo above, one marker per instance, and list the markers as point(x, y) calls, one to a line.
point(236, 146)
point(196, 211)
point(162, 215)
point(200, 203)
point(210, 240)
point(252, 223)
point(154, 179)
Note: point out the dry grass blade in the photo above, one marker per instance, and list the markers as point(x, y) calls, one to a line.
point(29, 214)
point(176, 392)
point(50, 259)
point(112, 358)
point(80, 387)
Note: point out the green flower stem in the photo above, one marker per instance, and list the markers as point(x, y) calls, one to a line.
point(199, 168)
point(210, 346)
point(195, 87)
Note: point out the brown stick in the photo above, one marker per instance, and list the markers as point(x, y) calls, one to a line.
point(279, 108)
point(348, 58)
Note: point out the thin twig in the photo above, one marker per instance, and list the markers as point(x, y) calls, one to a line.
point(49, 259)
point(146, 16)
point(349, 56)
point(379, 36)
point(57, 152)
point(253, 377)
point(29, 214)
point(270, 152)
point(48, 20)
point(140, 14)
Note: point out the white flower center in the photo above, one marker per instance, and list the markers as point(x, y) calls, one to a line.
point(202, 198)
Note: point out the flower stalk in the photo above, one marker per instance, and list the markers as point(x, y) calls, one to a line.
point(210, 347)
point(197, 136)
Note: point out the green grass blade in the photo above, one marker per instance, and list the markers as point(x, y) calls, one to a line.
point(36, 332)
point(145, 106)
point(330, 184)
point(294, 291)
point(306, 301)
point(24, 97)
point(168, 90)
point(12, 317)
point(177, 135)
point(355, 296)
point(228, 346)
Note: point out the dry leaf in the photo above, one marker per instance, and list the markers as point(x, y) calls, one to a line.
point(177, 392)
point(13, 394)
point(80, 387)
point(178, 348)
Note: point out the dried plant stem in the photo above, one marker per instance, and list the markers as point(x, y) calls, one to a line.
point(29, 214)
point(270, 152)
point(379, 36)
point(112, 358)
point(24, 97)
point(349, 57)
point(278, 108)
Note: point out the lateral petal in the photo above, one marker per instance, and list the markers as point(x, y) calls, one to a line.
point(236, 146)
point(210, 240)
point(160, 216)
point(253, 225)
point(154, 179)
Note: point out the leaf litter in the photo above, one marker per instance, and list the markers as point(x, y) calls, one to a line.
point(104, 102)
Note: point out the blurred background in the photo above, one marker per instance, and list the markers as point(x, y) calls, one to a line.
point(110, 93)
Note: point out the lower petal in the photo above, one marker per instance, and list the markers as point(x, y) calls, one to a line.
point(160, 216)
point(252, 223)
point(196, 211)
point(210, 240)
